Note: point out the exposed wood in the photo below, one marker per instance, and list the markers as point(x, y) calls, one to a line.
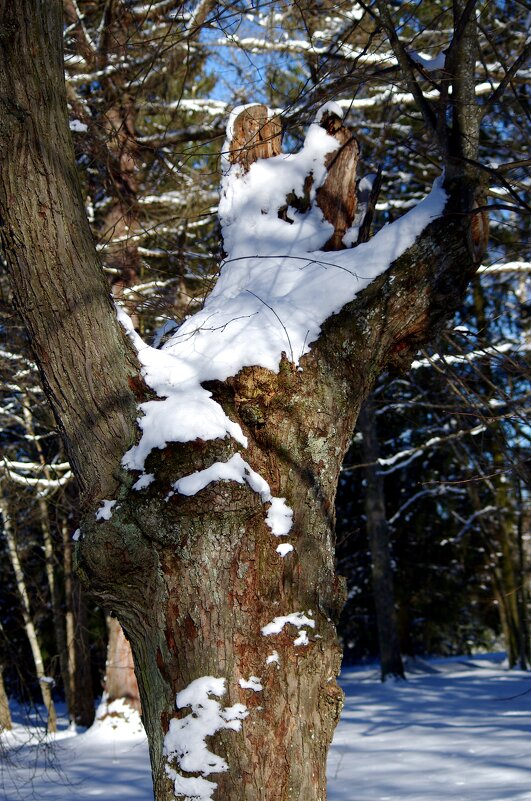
point(337, 197)
point(256, 135)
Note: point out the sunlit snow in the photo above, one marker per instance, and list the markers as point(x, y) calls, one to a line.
point(185, 742)
point(275, 290)
point(459, 729)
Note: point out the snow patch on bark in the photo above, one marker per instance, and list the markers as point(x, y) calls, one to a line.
point(252, 683)
point(273, 659)
point(105, 510)
point(184, 743)
point(298, 619)
point(279, 517)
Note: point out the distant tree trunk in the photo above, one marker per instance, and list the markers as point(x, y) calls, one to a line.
point(120, 679)
point(49, 555)
point(45, 684)
point(5, 714)
point(80, 692)
point(380, 547)
point(524, 576)
point(502, 531)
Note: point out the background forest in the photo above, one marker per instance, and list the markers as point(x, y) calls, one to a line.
point(433, 505)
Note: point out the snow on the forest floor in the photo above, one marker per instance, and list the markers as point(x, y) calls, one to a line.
point(458, 730)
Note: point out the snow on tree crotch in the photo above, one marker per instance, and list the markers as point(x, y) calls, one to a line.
point(263, 304)
point(297, 619)
point(279, 516)
point(184, 744)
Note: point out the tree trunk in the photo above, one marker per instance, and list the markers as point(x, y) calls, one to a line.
point(45, 683)
point(92, 394)
point(120, 679)
point(80, 692)
point(209, 578)
point(238, 635)
point(5, 714)
point(503, 530)
point(380, 547)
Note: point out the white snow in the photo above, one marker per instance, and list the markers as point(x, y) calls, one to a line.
point(279, 516)
point(184, 743)
point(284, 548)
point(263, 304)
point(273, 659)
point(252, 683)
point(76, 535)
point(78, 126)
point(298, 619)
point(329, 108)
point(302, 639)
point(105, 510)
point(429, 63)
point(144, 481)
point(458, 729)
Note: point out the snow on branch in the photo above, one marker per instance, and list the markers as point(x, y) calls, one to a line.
point(275, 231)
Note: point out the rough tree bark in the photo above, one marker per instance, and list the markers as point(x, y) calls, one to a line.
point(194, 579)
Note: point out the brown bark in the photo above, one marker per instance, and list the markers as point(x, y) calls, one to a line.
point(6, 723)
point(120, 679)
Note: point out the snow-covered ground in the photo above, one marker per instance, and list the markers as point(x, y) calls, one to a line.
point(458, 730)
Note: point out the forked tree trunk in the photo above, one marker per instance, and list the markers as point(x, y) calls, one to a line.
point(197, 582)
